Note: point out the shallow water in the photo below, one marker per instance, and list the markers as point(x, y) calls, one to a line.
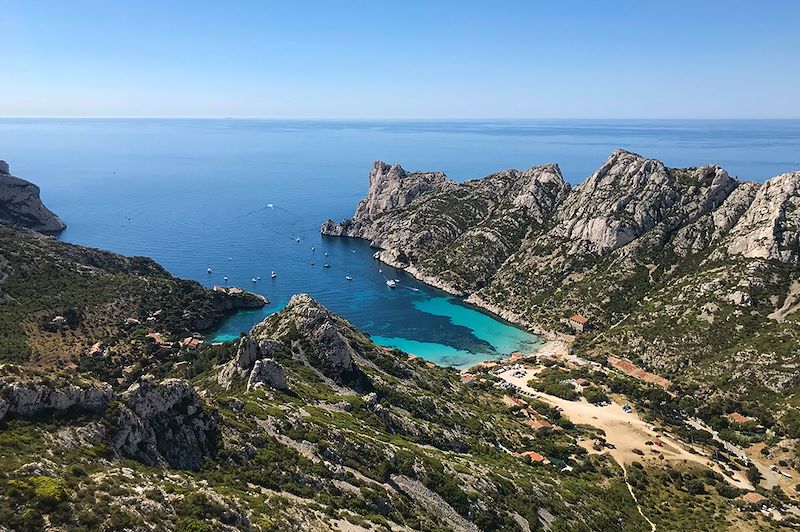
point(193, 194)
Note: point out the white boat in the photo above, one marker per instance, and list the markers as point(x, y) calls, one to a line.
point(210, 270)
point(312, 248)
point(391, 283)
point(225, 278)
point(326, 265)
point(326, 253)
point(253, 279)
point(348, 277)
point(273, 274)
point(380, 270)
point(270, 205)
point(258, 278)
point(413, 289)
point(297, 239)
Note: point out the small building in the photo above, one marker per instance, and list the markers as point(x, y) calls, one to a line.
point(582, 382)
point(580, 323)
point(468, 378)
point(190, 342)
point(535, 457)
point(754, 498)
point(158, 340)
point(738, 418)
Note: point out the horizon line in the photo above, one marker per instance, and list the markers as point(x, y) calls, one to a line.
point(354, 119)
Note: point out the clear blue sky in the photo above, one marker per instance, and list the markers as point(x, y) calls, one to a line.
point(401, 59)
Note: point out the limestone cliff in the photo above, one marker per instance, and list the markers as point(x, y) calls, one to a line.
point(634, 247)
point(20, 204)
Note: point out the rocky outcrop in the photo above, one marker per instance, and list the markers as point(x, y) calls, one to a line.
point(163, 423)
point(267, 372)
point(23, 395)
point(436, 232)
point(20, 204)
point(327, 342)
point(252, 364)
point(390, 187)
point(770, 228)
point(630, 195)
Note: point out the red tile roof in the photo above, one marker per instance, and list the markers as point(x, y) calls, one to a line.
point(577, 318)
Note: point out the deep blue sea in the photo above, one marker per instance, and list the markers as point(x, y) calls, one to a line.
point(193, 194)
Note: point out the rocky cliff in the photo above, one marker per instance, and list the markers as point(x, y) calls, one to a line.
point(619, 244)
point(21, 205)
point(163, 423)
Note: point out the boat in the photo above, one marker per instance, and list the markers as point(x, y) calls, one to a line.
point(380, 270)
point(413, 289)
point(253, 279)
point(273, 274)
point(391, 283)
point(270, 205)
point(348, 277)
point(312, 248)
point(210, 270)
point(326, 265)
point(258, 278)
point(326, 253)
point(297, 239)
point(225, 278)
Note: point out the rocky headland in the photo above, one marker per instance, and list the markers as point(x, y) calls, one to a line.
point(21, 205)
point(658, 258)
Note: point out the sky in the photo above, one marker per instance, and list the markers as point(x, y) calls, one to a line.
point(408, 59)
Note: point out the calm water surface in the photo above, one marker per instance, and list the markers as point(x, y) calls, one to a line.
point(193, 194)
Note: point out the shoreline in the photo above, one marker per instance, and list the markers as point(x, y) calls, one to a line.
point(471, 299)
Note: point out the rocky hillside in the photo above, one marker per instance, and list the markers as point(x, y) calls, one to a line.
point(303, 424)
point(20, 204)
point(685, 270)
point(71, 305)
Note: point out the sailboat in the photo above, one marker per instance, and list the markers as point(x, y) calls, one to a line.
point(273, 274)
point(348, 277)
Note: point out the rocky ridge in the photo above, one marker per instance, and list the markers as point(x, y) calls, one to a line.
point(21, 205)
point(615, 248)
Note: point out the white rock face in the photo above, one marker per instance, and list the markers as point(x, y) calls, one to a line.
point(770, 228)
point(20, 204)
point(630, 195)
point(250, 363)
point(164, 423)
point(267, 372)
point(327, 335)
point(31, 397)
point(391, 187)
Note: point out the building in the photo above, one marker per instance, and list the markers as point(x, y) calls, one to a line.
point(191, 342)
point(736, 417)
point(535, 457)
point(754, 498)
point(580, 323)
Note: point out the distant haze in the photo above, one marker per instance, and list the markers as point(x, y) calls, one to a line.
point(368, 59)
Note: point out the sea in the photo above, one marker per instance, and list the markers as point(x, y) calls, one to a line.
point(246, 197)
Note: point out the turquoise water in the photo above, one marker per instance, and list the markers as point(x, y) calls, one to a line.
point(193, 194)
point(503, 338)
